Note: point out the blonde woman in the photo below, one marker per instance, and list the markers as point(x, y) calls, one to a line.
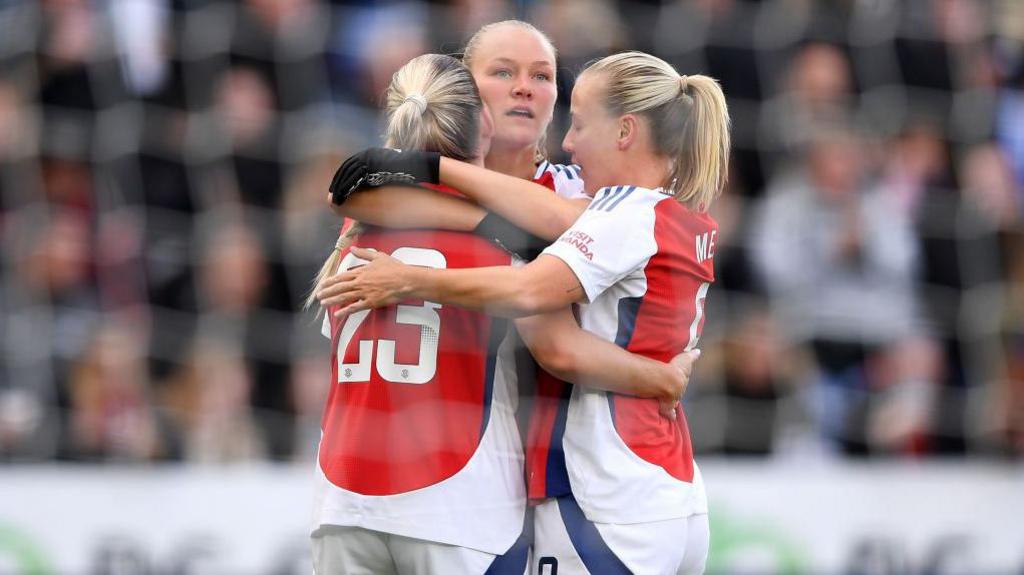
point(653, 149)
point(420, 464)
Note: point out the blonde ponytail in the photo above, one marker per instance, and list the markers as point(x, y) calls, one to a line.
point(701, 166)
point(432, 104)
point(330, 266)
point(688, 117)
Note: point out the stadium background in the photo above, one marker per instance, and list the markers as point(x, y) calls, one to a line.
point(163, 165)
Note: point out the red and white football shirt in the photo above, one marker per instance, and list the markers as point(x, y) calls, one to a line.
point(419, 433)
point(645, 262)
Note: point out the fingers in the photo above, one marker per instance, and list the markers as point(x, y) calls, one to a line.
point(667, 409)
point(337, 300)
point(338, 290)
point(331, 283)
point(347, 179)
point(352, 308)
point(685, 360)
point(683, 364)
point(366, 254)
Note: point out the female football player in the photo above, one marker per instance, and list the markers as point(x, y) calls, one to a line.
point(653, 148)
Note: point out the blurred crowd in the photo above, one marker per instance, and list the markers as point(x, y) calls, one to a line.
point(164, 164)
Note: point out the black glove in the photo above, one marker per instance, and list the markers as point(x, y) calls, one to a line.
point(376, 167)
point(347, 178)
point(510, 237)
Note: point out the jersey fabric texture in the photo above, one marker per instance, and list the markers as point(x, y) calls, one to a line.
point(563, 179)
point(645, 262)
point(545, 463)
point(419, 437)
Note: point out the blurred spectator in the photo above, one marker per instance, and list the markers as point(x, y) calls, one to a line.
point(233, 283)
point(245, 103)
point(1010, 121)
point(233, 271)
point(757, 371)
point(310, 382)
point(1005, 428)
point(164, 163)
point(581, 29)
point(917, 176)
point(990, 263)
point(817, 93)
point(50, 306)
point(463, 17)
point(916, 165)
point(210, 401)
point(367, 59)
point(309, 229)
point(112, 416)
point(140, 29)
point(838, 258)
point(964, 246)
point(17, 137)
point(285, 42)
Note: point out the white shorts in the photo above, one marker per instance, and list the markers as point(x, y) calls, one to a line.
point(566, 543)
point(341, 550)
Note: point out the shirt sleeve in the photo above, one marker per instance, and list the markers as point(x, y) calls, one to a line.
point(603, 247)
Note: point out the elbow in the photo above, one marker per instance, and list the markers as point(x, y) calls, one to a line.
point(555, 359)
point(532, 298)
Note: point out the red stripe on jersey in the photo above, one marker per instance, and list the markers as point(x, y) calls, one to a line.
point(662, 330)
point(545, 462)
point(385, 437)
point(547, 179)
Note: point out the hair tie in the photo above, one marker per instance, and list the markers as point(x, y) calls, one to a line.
point(683, 83)
point(342, 241)
point(419, 100)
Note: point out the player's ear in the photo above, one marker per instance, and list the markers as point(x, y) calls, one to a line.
point(486, 124)
point(486, 131)
point(628, 131)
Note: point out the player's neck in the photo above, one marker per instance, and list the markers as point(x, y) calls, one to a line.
point(518, 162)
point(644, 170)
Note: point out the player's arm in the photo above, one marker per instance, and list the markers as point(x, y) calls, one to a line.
point(404, 207)
point(600, 249)
point(545, 284)
point(572, 354)
point(526, 204)
point(529, 206)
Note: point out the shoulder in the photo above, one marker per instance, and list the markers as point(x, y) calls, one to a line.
point(626, 199)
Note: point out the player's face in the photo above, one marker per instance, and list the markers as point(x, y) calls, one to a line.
point(593, 135)
point(514, 70)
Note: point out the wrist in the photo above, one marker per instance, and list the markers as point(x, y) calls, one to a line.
point(444, 167)
point(453, 173)
point(409, 279)
point(669, 388)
